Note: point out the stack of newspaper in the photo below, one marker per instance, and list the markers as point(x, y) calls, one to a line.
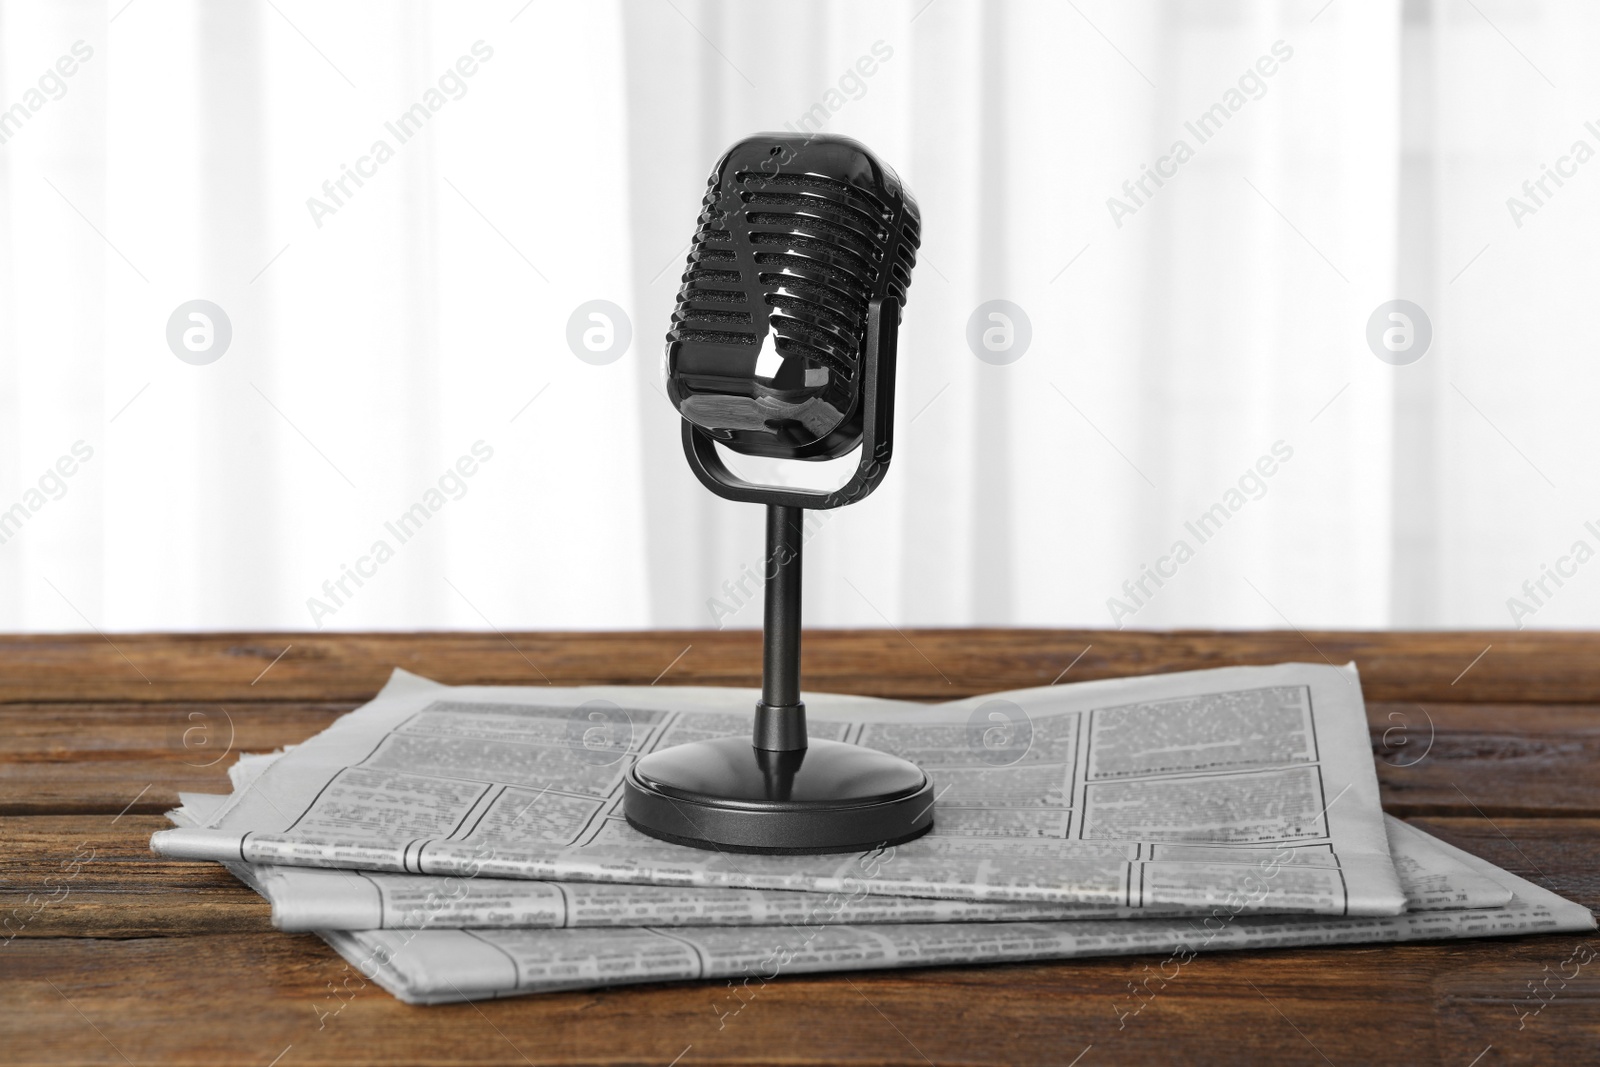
point(464, 842)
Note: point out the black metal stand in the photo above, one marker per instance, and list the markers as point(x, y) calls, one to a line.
point(781, 717)
point(782, 792)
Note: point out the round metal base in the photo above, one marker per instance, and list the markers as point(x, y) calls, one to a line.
point(728, 795)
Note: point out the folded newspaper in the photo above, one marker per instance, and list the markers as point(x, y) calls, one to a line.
point(464, 934)
point(438, 966)
point(1167, 791)
point(308, 899)
point(1449, 894)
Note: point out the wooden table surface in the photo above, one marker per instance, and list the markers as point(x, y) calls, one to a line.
point(1488, 740)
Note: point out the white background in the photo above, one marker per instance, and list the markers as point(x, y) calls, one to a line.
point(1168, 353)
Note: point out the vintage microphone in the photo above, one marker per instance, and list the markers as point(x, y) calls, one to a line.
point(783, 345)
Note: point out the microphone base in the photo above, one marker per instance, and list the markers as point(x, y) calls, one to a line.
point(729, 796)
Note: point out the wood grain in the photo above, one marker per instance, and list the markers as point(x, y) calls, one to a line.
point(246, 998)
point(914, 664)
point(107, 758)
point(127, 958)
point(1486, 759)
point(95, 876)
point(104, 863)
point(1508, 759)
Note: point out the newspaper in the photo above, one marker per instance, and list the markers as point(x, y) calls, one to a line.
point(1162, 791)
point(308, 899)
point(438, 966)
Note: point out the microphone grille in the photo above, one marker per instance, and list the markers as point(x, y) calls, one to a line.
point(797, 234)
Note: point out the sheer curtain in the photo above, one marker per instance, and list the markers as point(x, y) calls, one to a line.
point(407, 213)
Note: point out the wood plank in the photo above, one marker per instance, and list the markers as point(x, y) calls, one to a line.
point(1526, 667)
point(1513, 736)
point(94, 875)
point(1433, 759)
point(179, 1000)
point(98, 758)
point(1487, 759)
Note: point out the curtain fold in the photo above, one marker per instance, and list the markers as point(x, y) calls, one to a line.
point(1136, 381)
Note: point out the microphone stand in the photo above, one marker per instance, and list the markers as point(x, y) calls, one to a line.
point(782, 792)
point(781, 717)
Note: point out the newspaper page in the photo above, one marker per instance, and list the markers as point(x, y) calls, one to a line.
point(1157, 791)
point(437, 966)
point(310, 899)
point(307, 899)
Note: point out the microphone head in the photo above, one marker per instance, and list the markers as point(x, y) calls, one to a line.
point(798, 234)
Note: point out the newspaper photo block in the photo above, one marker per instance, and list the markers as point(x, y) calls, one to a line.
point(1160, 791)
point(438, 966)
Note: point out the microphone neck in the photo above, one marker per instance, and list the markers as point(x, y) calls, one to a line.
point(781, 717)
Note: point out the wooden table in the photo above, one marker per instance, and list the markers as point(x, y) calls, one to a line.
point(1491, 741)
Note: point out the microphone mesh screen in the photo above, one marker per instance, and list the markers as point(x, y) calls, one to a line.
point(796, 237)
point(802, 249)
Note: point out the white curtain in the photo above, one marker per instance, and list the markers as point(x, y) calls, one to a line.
point(401, 209)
